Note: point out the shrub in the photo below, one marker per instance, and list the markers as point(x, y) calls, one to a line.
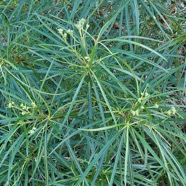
point(92, 93)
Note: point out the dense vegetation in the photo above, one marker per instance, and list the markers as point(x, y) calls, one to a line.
point(92, 93)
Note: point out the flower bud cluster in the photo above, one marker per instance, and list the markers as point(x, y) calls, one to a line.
point(70, 32)
point(80, 24)
point(135, 112)
point(77, 37)
point(143, 96)
point(62, 33)
point(140, 104)
point(11, 104)
point(23, 108)
point(172, 111)
point(65, 33)
point(32, 130)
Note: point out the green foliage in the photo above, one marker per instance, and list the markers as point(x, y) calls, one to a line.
point(92, 93)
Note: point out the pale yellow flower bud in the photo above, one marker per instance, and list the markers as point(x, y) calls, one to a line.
point(60, 30)
point(156, 106)
point(87, 26)
point(173, 110)
point(139, 100)
point(65, 35)
point(70, 32)
point(135, 113)
point(23, 112)
point(169, 112)
point(10, 105)
point(32, 131)
point(87, 58)
point(142, 107)
point(82, 21)
point(33, 105)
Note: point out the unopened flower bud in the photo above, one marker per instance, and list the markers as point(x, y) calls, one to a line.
point(23, 112)
point(70, 32)
point(169, 112)
point(87, 58)
point(156, 106)
point(65, 35)
point(139, 100)
point(142, 107)
point(33, 105)
point(87, 26)
point(82, 21)
point(60, 30)
point(10, 105)
point(173, 110)
point(135, 113)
